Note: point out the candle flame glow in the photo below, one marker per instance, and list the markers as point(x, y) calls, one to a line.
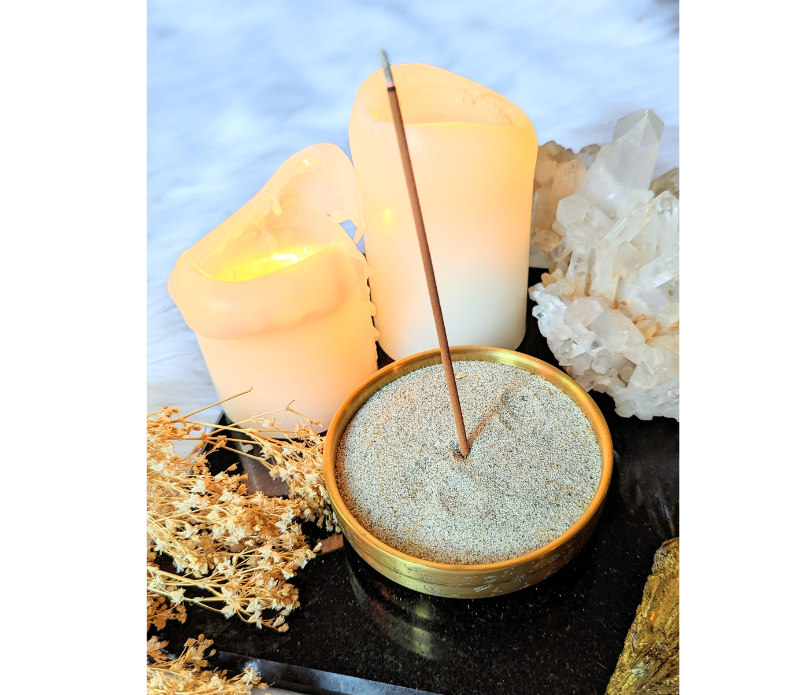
point(284, 257)
point(264, 266)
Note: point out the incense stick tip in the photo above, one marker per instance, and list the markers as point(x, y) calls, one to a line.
point(387, 71)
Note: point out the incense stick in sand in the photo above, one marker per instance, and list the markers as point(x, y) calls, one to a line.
point(426, 256)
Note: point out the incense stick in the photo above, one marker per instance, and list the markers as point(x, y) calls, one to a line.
point(444, 347)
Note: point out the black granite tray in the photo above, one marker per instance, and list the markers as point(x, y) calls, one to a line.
point(562, 635)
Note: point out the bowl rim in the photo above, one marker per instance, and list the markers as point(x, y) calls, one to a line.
point(462, 353)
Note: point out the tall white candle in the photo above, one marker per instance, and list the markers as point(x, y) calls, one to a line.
point(474, 156)
point(277, 294)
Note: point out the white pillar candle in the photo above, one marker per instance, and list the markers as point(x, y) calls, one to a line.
point(277, 294)
point(474, 155)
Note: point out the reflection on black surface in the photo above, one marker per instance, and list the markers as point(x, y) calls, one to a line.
point(652, 488)
point(407, 617)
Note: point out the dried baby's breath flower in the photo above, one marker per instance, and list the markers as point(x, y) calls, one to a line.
point(232, 552)
point(186, 673)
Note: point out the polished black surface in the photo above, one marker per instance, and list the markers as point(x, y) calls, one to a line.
point(563, 635)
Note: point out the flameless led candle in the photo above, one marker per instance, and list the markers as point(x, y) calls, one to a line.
point(474, 155)
point(277, 294)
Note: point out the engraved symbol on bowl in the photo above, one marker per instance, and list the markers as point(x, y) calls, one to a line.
point(488, 581)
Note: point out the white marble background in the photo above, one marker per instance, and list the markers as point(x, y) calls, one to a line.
point(237, 86)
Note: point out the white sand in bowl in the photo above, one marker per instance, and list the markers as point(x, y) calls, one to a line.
point(533, 467)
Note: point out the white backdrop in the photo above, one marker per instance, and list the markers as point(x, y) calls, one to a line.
point(237, 86)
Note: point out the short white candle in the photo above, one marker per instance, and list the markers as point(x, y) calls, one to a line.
point(277, 294)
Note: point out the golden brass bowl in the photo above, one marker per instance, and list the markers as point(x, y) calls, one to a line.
point(467, 581)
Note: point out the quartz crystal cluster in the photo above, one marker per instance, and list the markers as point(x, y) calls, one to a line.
point(608, 304)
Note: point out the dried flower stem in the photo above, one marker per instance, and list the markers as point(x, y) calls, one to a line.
point(235, 550)
point(186, 673)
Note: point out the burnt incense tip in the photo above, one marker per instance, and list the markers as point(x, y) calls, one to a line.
point(387, 71)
